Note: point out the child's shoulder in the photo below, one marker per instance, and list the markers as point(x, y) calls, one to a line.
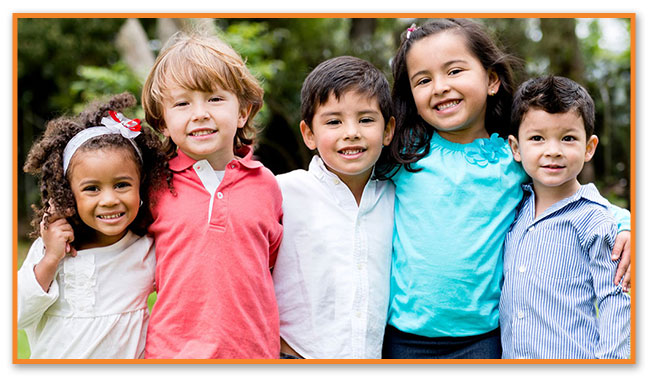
point(592, 215)
point(296, 181)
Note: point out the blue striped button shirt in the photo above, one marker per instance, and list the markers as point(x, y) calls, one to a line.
point(556, 267)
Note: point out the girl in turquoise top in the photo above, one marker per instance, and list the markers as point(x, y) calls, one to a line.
point(456, 195)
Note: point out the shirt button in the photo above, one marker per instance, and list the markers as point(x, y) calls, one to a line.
point(531, 228)
point(232, 166)
point(358, 314)
point(219, 195)
point(522, 268)
point(520, 314)
point(335, 181)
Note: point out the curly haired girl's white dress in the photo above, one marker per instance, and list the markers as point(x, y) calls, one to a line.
point(96, 306)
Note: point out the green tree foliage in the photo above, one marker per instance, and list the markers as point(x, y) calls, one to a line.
point(63, 63)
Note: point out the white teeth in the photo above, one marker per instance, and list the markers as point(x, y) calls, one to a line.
point(202, 132)
point(447, 105)
point(351, 152)
point(114, 216)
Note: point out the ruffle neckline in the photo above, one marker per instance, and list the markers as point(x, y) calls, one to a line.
point(480, 152)
point(80, 276)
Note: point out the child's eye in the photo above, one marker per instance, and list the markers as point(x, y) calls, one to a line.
point(366, 120)
point(536, 138)
point(180, 103)
point(215, 99)
point(120, 185)
point(455, 71)
point(568, 138)
point(333, 122)
point(422, 81)
point(90, 188)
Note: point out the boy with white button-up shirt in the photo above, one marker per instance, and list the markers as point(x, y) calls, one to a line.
point(332, 272)
point(557, 254)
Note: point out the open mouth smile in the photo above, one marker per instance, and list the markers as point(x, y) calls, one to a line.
point(351, 152)
point(446, 105)
point(204, 132)
point(110, 216)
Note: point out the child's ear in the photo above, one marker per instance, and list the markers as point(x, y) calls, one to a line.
point(243, 116)
point(307, 135)
point(493, 82)
point(165, 132)
point(591, 147)
point(514, 146)
point(389, 130)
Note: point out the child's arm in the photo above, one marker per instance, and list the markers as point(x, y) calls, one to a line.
point(33, 301)
point(613, 305)
point(37, 289)
point(57, 237)
point(623, 247)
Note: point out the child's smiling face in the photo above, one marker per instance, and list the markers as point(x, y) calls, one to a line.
point(349, 134)
point(450, 86)
point(553, 148)
point(203, 124)
point(106, 188)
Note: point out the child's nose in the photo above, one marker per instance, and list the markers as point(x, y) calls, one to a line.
point(440, 86)
point(351, 130)
point(553, 148)
point(199, 112)
point(108, 198)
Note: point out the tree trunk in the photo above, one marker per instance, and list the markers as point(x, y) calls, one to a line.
point(133, 45)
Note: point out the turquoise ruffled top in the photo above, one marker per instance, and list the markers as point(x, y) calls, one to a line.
point(451, 219)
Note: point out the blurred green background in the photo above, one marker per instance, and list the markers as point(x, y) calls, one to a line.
point(65, 62)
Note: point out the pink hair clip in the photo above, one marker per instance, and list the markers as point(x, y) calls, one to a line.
point(409, 30)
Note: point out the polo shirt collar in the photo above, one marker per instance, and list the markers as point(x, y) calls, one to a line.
point(181, 161)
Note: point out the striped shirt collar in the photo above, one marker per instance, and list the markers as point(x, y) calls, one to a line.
point(587, 191)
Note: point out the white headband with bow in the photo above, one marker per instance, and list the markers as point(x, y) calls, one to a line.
point(116, 123)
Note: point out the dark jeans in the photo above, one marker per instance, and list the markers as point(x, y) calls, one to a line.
point(286, 356)
point(398, 344)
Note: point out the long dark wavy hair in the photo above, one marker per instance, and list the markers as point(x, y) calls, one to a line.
point(45, 161)
point(413, 134)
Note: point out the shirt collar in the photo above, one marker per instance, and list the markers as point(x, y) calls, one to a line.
point(588, 192)
point(181, 161)
point(317, 168)
point(339, 190)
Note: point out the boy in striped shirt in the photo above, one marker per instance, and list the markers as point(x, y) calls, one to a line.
point(557, 254)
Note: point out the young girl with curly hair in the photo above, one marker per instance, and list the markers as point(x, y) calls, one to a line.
point(83, 287)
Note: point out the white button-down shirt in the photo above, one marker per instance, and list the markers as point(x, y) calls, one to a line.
point(332, 274)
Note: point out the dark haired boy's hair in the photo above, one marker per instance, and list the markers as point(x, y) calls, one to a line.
point(412, 133)
point(339, 75)
point(553, 94)
point(45, 160)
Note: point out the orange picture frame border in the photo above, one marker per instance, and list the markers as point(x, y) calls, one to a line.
point(631, 16)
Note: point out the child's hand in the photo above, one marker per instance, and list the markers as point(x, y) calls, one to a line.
point(622, 249)
point(57, 236)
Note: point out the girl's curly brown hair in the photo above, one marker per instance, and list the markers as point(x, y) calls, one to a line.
point(45, 160)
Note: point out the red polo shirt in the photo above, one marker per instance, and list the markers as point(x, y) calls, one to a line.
point(213, 253)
